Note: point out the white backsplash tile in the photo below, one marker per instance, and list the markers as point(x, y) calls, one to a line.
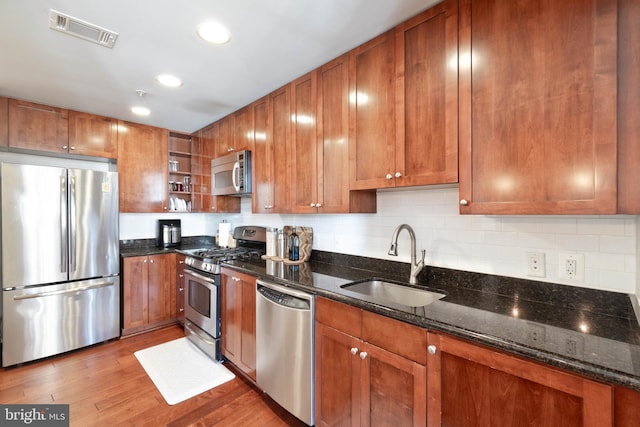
point(480, 243)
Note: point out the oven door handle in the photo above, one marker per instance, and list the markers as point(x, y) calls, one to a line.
point(201, 277)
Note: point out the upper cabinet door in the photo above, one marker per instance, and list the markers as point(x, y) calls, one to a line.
point(143, 164)
point(427, 97)
point(333, 136)
point(538, 106)
point(372, 119)
point(280, 114)
point(304, 155)
point(243, 129)
point(224, 142)
point(628, 106)
point(38, 127)
point(92, 135)
point(4, 122)
point(262, 158)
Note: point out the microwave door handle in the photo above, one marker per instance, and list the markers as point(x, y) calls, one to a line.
point(235, 175)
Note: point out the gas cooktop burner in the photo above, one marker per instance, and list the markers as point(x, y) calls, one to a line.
point(222, 254)
point(251, 246)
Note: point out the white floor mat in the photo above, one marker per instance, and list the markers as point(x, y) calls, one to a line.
point(180, 370)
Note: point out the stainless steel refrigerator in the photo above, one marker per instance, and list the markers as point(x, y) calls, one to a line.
point(60, 260)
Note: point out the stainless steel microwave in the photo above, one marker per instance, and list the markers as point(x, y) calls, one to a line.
point(231, 174)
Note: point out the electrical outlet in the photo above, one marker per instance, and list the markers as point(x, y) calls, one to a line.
point(535, 334)
point(535, 264)
point(571, 267)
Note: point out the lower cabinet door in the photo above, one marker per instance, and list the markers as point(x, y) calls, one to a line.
point(394, 389)
point(470, 385)
point(337, 378)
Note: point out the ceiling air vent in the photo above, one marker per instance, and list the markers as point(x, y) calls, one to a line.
point(84, 30)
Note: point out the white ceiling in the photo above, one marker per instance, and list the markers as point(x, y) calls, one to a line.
point(273, 42)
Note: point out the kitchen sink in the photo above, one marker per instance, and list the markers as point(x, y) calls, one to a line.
point(394, 292)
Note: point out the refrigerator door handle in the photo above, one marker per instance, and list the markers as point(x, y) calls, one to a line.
point(63, 291)
point(64, 260)
point(72, 222)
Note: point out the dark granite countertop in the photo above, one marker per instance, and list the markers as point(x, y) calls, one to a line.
point(141, 247)
point(590, 332)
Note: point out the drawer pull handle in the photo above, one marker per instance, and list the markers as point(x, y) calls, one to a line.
point(354, 351)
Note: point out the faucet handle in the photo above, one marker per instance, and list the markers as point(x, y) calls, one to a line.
point(423, 255)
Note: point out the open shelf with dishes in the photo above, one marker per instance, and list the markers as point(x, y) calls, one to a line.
point(180, 183)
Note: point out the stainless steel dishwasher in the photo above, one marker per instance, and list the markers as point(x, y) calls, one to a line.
point(285, 346)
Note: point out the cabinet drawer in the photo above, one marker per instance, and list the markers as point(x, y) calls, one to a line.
point(340, 316)
point(395, 336)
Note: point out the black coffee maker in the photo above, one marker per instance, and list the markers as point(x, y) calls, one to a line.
point(169, 233)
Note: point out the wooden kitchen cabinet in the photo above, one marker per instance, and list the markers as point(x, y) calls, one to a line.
point(320, 148)
point(203, 151)
point(272, 179)
point(143, 168)
point(148, 292)
point(426, 149)
point(242, 129)
point(92, 135)
point(470, 385)
point(4, 122)
point(627, 407)
point(224, 138)
point(239, 319)
point(628, 106)
point(372, 118)
point(262, 159)
point(180, 287)
point(38, 127)
point(370, 370)
point(538, 107)
point(304, 153)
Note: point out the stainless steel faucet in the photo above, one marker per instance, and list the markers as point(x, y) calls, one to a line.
point(416, 267)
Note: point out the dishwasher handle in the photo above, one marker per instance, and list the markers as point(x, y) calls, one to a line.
point(284, 296)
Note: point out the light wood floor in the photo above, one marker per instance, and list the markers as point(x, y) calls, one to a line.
point(105, 385)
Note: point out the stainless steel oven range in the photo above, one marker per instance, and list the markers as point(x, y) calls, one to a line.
point(202, 285)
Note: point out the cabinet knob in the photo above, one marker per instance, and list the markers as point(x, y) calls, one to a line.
point(354, 350)
point(464, 202)
point(65, 147)
point(151, 261)
point(363, 355)
point(398, 174)
point(389, 176)
point(230, 149)
point(181, 262)
point(431, 349)
point(268, 206)
point(236, 279)
point(144, 262)
point(72, 148)
point(181, 310)
point(318, 205)
point(180, 289)
point(181, 275)
point(312, 205)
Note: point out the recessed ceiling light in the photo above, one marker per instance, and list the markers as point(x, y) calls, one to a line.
point(169, 80)
point(140, 109)
point(212, 32)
